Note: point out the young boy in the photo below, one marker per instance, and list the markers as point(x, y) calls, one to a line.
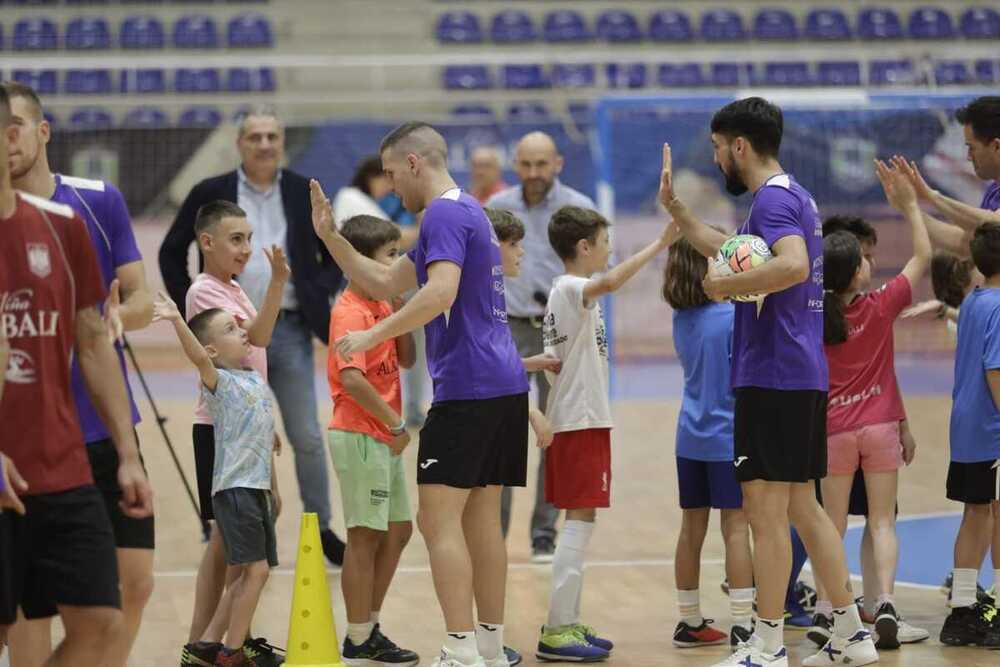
point(239, 401)
point(578, 463)
point(974, 473)
point(224, 237)
point(367, 435)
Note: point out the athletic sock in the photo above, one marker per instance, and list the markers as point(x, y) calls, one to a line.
point(567, 572)
point(846, 621)
point(824, 608)
point(963, 587)
point(885, 598)
point(489, 638)
point(374, 618)
point(799, 558)
point(689, 605)
point(462, 646)
point(741, 606)
point(359, 633)
point(771, 634)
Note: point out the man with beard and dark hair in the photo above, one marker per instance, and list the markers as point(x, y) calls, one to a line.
point(779, 379)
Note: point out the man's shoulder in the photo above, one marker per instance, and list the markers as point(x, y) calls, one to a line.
point(572, 197)
point(506, 198)
point(214, 183)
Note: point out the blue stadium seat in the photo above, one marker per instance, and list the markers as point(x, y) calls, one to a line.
point(195, 31)
point(787, 74)
point(668, 25)
point(838, 73)
point(980, 23)
point(512, 26)
point(44, 82)
point(143, 81)
point(952, 73)
point(931, 23)
point(35, 34)
point(527, 111)
point(472, 111)
point(879, 23)
point(35, 3)
point(188, 80)
point(986, 71)
point(145, 118)
point(246, 80)
point(618, 25)
point(88, 82)
point(459, 28)
point(199, 117)
point(250, 31)
point(580, 111)
point(520, 77)
point(580, 75)
point(684, 75)
point(90, 118)
point(141, 32)
point(565, 25)
point(722, 25)
point(88, 33)
point(467, 77)
point(631, 75)
point(732, 74)
point(828, 25)
point(775, 25)
point(891, 72)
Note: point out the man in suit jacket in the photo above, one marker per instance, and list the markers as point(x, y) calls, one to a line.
point(280, 212)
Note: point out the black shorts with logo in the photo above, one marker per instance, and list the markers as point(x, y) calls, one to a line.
point(129, 533)
point(479, 442)
point(974, 483)
point(61, 552)
point(779, 436)
point(203, 436)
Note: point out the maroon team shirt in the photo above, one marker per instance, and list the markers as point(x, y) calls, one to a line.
point(48, 272)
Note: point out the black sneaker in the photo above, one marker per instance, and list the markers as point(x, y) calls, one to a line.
point(978, 625)
point(805, 595)
point(333, 548)
point(886, 627)
point(821, 630)
point(543, 550)
point(377, 650)
point(200, 654)
point(261, 653)
point(739, 635)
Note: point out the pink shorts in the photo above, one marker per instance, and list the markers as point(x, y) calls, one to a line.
point(874, 448)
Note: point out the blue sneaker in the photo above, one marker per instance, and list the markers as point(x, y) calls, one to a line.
point(566, 643)
point(513, 657)
point(591, 636)
point(796, 618)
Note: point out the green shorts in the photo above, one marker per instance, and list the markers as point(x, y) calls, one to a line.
point(372, 481)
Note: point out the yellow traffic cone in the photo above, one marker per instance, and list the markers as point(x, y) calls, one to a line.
point(312, 634)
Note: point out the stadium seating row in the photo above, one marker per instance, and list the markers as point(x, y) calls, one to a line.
point(247, 30)
point(148, 81)
point(515, 26)
point(40, 3)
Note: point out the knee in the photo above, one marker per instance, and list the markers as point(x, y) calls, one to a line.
point(735, 528)
point(401, 532)
point(100, 627)
point(137, 589)
point(256, 574)
point(363, 542)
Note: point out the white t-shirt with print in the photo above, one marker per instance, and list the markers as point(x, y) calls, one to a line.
point(574, 332)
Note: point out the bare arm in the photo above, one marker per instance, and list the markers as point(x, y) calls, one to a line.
point(260, 328)
point(959, 213)
point(948, 237)
point(406, 348)
point(361, 390)
point(900, 194)
point(136, 310)
point(165, 309)
point(620, 274)
point(705, 240)
point(789, 267)
point(993, 380)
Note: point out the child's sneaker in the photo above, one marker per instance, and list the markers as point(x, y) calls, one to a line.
point(261, 653)
point(513, 657)
point(591, 636)
point(236, 658)
point(750, 655)
point(886, 627)
point(806, 596)
point(376, 651)
point(687, 636)
point(978, 625)
point(445, 659)
point(738, 636)
point(821, 630)
point(857, 650)
point(566, 643)
point(909, 634)
point(796, 618)
point(200, 654)
point(865, 616)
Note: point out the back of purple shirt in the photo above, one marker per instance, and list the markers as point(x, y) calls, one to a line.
point(470, 350)
point(991, 198)
point(103, 208)
point(782, 347)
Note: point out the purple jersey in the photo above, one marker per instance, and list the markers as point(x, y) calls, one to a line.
point(470, 350)
point(991, 198)
point(782, 346)
point(103, 208)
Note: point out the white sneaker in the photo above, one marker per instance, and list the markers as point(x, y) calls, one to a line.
point(749, 655)
point(909, 634)
point(448, 660)
point(858, 650)
point(497, 662)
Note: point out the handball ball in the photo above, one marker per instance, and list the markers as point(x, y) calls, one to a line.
point(740, 253)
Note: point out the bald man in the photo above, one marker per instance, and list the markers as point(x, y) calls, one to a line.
point(538, 163)
point(487, 173)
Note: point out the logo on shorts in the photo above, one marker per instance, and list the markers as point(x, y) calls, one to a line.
point(38, 259)
point(424, 465)
point(739, 460)
point(378, 496)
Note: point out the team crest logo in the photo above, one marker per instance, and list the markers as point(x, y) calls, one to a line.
point(38, 259)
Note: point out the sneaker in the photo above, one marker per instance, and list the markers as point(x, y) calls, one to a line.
point(513, 657)
point(445, 659)
point(865, 616)
point(750, 655)
point(857, 650)
point(805, 595)
point(262, 653)
point(566, 643)
point(200, 654)
point(688, 636)
point(333, 547)
point(738, 636)
point(543, 550)
point(886, 627)
point(909, 634)
point(821, 630)
point(978, 625)
point(235, 659)
point(376, 651)
point(591, 636)
point(796, 618)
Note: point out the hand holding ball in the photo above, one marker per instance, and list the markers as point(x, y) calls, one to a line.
point(740, 253)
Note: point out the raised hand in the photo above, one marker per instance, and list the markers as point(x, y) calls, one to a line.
point(909, 169)
point(666, 193)
point(322, 210)
point(899, 190)
point(112, 313)
point(279, 266)
point(164, 309)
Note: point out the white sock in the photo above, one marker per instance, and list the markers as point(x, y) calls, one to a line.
point(846, 621)
point(771, 634)
point(689, 605)
point(567, 572)
point(489, 638)
point(963, 587)
point(374, 617)
point(883, 599)
point(996, 579)
point(462, 646)
point(359, 633)
point(741, 606)
point(824, 608)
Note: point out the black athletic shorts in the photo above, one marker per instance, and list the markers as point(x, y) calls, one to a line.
point(858, 503)
point(481, 442)
point(203, 436)
point(246, 522)
point(779, 436)
point(129, 533)
point(63, 553)
point(974, 483)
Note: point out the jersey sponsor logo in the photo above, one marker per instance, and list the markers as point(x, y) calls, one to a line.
point(740, 460)
point(424, 465)
point(500, 314)
point(38, 259)
point(20, 368)
point(851, 399)
point(19, 320)
point(817, 271)
point(854, 331)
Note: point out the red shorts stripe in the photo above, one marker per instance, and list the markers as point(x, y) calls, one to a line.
point(578, 469)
